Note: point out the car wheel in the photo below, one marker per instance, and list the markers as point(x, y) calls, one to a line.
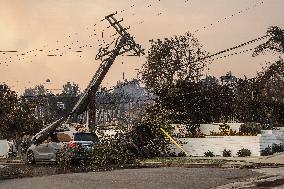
point(30, 158)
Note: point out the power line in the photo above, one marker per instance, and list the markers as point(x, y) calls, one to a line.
point(233, 48)
point(257, 4)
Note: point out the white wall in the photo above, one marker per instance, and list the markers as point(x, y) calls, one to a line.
point(216, 144)
point(4, 148)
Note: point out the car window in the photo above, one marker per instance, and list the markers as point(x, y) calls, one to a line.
point(86, 137)
point(63, 137)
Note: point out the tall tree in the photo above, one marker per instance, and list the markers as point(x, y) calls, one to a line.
point(172, 59)
point(270, 80)
point(16, 115)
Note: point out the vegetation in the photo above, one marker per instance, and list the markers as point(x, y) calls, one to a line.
point(227, 153)
point(209, 154)
point(244, 152)
point(251, 129)
point(190, 100)
point(267, 151)
point(170, 60)
point(274, 44)
point(17, 116)
point(270, 150)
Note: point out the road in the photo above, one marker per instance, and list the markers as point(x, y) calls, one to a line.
point(156, 178)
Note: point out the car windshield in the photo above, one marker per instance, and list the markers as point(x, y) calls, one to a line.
point(86, 137)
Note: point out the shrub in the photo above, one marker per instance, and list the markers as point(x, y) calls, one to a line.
point(227, 153)
point(113, 151)
point(67, 155)
point(244, 153)
point(277, 148)
point(181, 154)
point(144, 141)
point(267, 151)
point(172, 154)
point(209, 154)
point(250, 129)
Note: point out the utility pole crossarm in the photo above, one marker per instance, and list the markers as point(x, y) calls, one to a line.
point(132, 45)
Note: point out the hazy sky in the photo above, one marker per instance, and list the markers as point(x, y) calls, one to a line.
point(29, 26)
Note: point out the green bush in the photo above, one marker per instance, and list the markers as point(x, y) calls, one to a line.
point(250, 129)
point(244, 153)
point(276, 148)
point(209, 154)
point(227, 153)
point(267, 151)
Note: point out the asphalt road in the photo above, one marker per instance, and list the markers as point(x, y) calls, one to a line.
point(158, 178)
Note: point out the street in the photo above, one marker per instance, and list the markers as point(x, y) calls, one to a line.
point(135, 178)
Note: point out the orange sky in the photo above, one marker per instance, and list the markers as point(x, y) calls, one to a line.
point(27, 25)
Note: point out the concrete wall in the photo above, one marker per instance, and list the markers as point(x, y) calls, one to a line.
point(216, 144)
point(269, 137)
point(4, 148)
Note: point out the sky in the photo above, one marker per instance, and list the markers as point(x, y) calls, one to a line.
point(36, 29)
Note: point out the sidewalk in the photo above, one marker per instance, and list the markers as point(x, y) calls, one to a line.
point(275, 158)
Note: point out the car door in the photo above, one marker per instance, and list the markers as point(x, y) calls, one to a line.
point(53, 148)
point(59, 140)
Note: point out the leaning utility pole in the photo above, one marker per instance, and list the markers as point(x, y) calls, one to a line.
point(124, 43)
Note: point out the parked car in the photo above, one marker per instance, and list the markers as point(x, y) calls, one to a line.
point(47, 151)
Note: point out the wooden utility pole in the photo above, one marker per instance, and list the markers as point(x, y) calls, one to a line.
point(124, 43)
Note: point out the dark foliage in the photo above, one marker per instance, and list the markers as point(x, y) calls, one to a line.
point(170, 60)
point(276, 148)
point(209, 154)
point(16, 115)
point(251, 128)
point(145, 140)
point(270, 150)
point(227, 153)
point(244, 153)
point(267, 151)
point(274, 44)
